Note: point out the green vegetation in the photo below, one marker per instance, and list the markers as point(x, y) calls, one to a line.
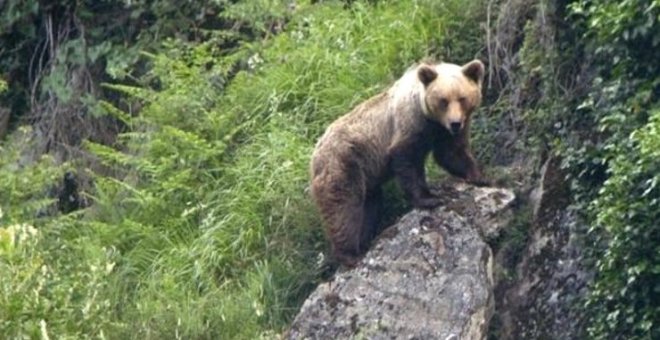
point(625, 296)
point(201, 226)
point(190, 130)
point(624, 302)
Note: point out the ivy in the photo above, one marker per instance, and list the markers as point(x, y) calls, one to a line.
point(624, 299)
point(622, 207)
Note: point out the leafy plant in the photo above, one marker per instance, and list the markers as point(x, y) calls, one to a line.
point(624, 300)
point(201, 225)
point(623, 103)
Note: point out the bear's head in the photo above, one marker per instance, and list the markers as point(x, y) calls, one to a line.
point(451, 92)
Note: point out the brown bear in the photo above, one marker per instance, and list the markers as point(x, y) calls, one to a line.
point(427, 110)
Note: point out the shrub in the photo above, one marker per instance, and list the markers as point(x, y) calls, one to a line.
point(205, 228)
point(621, 155)
point(625, 297)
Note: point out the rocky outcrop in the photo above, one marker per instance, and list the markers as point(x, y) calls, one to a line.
point(551, 277)
point(429, 276)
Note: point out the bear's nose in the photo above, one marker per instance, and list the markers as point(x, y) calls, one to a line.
point(455, 127)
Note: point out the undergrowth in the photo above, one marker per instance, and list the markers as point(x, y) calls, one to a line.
point(205, 228)
point(200, 224)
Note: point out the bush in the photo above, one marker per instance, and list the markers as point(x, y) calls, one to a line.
point(205, 228)
point(625, 298)
point(622, 155)
point(27, 185)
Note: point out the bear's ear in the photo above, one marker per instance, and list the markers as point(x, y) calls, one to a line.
point(426, 74)
point(475, 71)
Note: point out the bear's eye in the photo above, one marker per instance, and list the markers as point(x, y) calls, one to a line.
point(443, 103)
point(462, 100)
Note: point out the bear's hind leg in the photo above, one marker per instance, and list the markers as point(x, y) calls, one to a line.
point(373, 209)
point(347, 230)
point(341, 201)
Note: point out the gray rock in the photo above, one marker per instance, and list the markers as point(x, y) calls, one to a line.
point(429, 276)
point(551, 276)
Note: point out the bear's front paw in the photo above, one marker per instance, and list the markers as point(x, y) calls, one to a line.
point(480, 181)
point(476, 178)
point(427, 202)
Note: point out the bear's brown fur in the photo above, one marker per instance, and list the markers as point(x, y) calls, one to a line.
point(427, 110)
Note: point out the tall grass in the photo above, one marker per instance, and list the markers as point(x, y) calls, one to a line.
point(208, 231)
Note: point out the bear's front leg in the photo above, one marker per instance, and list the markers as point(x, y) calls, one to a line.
point(408, 167)
point(461, 163)
point(457, 159)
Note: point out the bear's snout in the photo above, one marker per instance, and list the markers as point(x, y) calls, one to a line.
point(455, 127)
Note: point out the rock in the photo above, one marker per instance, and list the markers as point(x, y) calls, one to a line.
point(551, 276)
point(429, 276)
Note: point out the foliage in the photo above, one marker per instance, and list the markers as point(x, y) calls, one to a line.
point(625, 296)
point(625, 31)
point(613, 169)
point(51, 288)
point(54, 54)
point(41, 276)
point(25, 185)
point(204, 228)
point(201, 226)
